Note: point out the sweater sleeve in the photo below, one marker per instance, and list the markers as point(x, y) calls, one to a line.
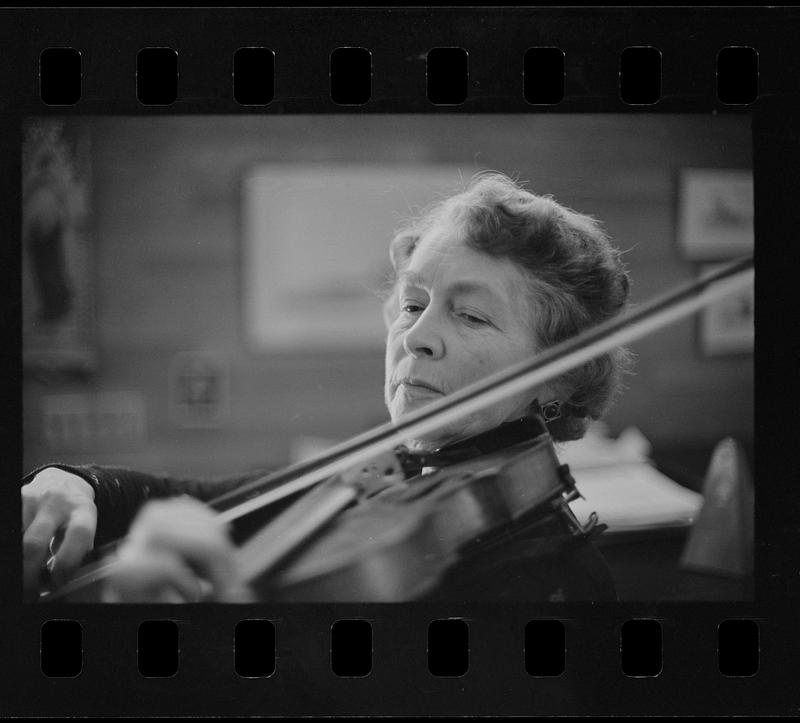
point(120, 492)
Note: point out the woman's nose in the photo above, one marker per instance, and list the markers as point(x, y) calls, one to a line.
point(424, 338)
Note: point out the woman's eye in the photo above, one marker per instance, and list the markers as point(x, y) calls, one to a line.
point(410, 308)
point(472, 319)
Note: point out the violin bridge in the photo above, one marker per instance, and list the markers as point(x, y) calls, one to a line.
point(569, 494)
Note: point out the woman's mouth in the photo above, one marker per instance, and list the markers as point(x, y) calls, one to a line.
point(417, 386)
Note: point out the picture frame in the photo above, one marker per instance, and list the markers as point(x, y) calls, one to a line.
point(58, 287)
point(199, 389)
point(715, 213)
point(289, 305)
point(727, 326)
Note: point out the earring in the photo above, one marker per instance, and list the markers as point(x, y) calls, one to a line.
point(551, 410)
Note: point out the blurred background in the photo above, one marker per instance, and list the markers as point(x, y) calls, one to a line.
point(182, 309)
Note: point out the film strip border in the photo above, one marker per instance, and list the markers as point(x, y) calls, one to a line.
point(387, 60)
point(400, 660)
point(591, 44)
point(447, 75)
point(253, 653)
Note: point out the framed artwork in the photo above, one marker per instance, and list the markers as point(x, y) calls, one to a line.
point(57, 273)
point(199, 389)
point(315, 256)
point(715, 213)
point(727, 325)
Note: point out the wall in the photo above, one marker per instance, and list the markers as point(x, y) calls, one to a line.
point(166, 233)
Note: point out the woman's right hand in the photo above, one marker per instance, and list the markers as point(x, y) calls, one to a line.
point(56, 503)
point(176, 551)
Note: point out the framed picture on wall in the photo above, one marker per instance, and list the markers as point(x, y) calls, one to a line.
point(199, 389)
point(727, 325)
point(313, 273)
point(715, 213)
point(57, 274)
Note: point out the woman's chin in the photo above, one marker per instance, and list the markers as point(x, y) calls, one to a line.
point(411, 403)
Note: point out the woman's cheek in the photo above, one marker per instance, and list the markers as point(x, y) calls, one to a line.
point(480, 367)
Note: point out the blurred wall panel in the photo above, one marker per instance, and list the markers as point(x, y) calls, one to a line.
point(167, 229)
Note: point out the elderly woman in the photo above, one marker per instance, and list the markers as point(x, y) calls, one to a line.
point(483, 280)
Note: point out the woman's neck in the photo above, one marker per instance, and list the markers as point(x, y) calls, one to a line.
point(509, 432)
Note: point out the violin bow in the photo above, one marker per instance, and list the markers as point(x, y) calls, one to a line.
point(551, 363)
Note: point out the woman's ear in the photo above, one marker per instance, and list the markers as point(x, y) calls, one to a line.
point(546, 393)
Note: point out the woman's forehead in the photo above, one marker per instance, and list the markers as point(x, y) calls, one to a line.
point(437, 229)
point(446, 259)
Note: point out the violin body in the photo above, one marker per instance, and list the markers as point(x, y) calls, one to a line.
point(399, 544)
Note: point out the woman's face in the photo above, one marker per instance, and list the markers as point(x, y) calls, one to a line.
point(462, 315)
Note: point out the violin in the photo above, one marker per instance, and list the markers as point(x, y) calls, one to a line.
point(363, 533)
point(397, 543)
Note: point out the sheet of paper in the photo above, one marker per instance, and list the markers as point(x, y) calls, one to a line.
point(597, 448)
point(633, 496)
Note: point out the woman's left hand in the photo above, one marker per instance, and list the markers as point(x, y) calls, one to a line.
point(176, 551)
